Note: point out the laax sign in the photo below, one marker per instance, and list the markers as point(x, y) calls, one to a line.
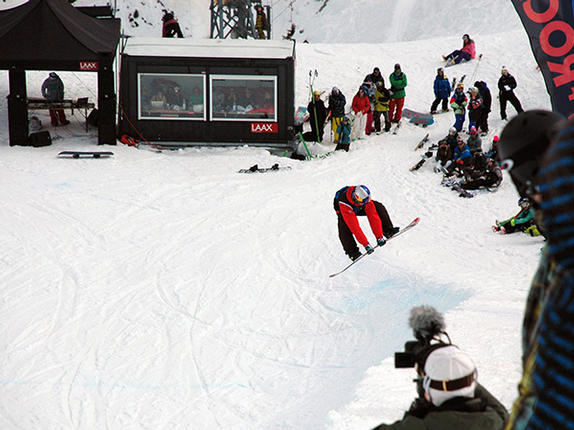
point(89, 66)
point(549, 27)
point(264, 127)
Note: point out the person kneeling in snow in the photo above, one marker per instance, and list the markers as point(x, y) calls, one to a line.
point(353, 201)
point(523, 221)
point(344, 131)
point(449, 395)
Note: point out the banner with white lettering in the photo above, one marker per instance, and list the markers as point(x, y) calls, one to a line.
point(549, 27)
point(264, 127)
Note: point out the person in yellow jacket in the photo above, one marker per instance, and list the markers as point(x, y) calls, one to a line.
point(382, 100)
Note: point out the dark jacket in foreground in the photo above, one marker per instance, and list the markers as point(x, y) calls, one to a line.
point(483, 412)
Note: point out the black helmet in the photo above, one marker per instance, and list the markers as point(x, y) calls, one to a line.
point(523, 142)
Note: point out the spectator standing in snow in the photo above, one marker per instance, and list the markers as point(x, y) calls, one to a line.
point(370, 90)
point(450, 398)
point(351, 202)
point(170, 27)
point(546, 393)
point(361, 107)
point(398, 82)
point(53, 90)
point(467, 53)
point(336, 110)
point(458, 102)
point(506, 86)
point(260, 22)
point(382, 101)
point(474, 141)
point(442, 91)
point(474, 108)
point(317, 116)
point(375, 77)
point(484, 93)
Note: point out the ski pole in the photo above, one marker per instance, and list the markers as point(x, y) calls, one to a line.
point(476, 67)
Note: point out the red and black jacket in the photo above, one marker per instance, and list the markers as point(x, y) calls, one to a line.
point(346, 206)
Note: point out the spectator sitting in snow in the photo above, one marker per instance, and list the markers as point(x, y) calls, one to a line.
point(467, 53)
point(344, 131)
point(445, 151)
point(490, 178)
point(462, 158)
point(458, 102)
point(449, 395)
point(522, 221)
point(486, 97)
point(493, 152)
point(361, 106)
point(474, 141)
point(442, 91)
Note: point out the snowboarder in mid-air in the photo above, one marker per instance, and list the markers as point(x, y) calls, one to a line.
point(353, 201)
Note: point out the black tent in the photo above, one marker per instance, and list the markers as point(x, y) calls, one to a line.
point(53, 35)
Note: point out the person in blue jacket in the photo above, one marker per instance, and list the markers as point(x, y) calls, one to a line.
point(344, 131)
point(462, 158)
point(442, 91)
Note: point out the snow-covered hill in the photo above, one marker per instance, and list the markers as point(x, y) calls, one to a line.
point(167, 291)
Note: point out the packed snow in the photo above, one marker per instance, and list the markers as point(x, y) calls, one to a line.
point(167, 291)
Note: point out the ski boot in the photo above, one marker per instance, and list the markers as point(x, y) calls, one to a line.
point(355, 255)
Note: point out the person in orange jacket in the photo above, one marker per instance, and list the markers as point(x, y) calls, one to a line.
point(351, 202)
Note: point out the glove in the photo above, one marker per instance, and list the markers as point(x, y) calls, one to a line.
point(381, 241)
point(512, 222)
point(369, 249)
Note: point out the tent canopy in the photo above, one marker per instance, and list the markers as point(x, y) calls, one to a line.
point(52, 34)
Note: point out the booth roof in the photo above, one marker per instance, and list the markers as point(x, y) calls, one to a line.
point(209, 48)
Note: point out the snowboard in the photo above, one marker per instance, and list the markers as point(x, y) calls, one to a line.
point(418, 118)
point(401, 231)
point(256, 169)
point(422, 142)
point(85, 154)
point(425, 156)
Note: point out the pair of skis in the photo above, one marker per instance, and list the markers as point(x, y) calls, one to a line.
point(401, 231)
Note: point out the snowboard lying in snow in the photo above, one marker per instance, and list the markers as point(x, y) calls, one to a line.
point(418, 118)
point(401, 231)
point(85, 154)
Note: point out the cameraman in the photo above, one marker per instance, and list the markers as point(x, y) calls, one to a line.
point(450, 397)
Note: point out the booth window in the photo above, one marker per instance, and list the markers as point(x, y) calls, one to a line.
point(243, 98)
point(171, 96)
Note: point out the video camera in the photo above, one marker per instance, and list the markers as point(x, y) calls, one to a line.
point(427, 324)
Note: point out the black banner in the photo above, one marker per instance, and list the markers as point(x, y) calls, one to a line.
point(549, 27)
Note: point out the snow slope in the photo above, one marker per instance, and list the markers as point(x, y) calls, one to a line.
point(166, 291)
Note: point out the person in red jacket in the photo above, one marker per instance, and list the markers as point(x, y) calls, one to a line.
point(361, 107)
point(351, 202)
point(170, 27)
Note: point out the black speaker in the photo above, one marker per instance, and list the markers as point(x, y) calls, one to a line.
point(41, 138)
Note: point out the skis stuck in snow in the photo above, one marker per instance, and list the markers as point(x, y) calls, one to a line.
point(401, 231)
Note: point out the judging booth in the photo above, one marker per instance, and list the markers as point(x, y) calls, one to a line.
point(210, 92)
point(52, 35)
